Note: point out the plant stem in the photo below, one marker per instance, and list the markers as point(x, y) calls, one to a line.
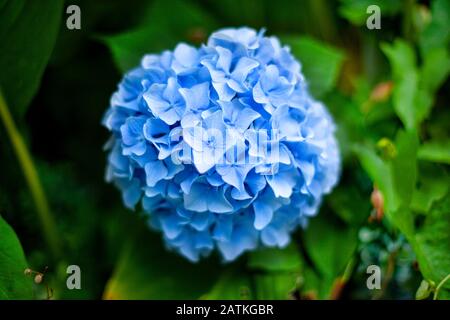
point(320, 11)
point(340, 283)
point(32, 178)
point(407, 22)
point(438, 288)
point(349, 269)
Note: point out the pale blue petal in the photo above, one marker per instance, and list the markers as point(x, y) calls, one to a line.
point(186, 55)
point(155, 171)
point(282, 183)
point(218, 203)
point(263, 214)
point(224, 92)
point(196, 97)
point(132, 193)
point(195, 200)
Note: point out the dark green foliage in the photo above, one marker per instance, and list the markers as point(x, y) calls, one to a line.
point(387, 89)
point(14, 284)
point(28, 30)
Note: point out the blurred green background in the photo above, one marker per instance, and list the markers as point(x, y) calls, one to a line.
point(387, 89)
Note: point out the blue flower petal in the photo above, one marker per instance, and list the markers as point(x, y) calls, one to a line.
point(196, 97)
point(155, 171)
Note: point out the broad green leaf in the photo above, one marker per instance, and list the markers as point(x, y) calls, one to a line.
point(330, 244)
point(275, 271)
point(423, 103)
point(146, 270)
point(356, 10)
point(435, 69)
point(349, 204)
point(350, 124)
point(166, 24)
point(403, 219)
point(315, 286)
point(403, 98)
point(14, 284)
point(414, 88)
point(275, 285)
point(274, 259)
point(270, 274)
point(404, 165)
point(435, 151)
point(251, 12)
point(403, 62)
point(396, 178)
point(320, 62)
point(401, 56)
point(431, 243)
point(234, 283)
point(437, 33)
point(433, 185)
point(28, 31)
point(380, 173)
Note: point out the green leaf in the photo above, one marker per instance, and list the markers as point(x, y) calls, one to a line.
point(423, 103)
point(403, 98)
point(396, 178)
point(403, 170)
point(435, 69)
point(435, 151)
point(234, 283)
point(431, 243)
point(403, 62)
point(401, 57)
point(380, 173)
point(146, 270)
point(414, 88)
point(349, 204)
point(251, 12)
point(166, 24)
point(423, 291)
point(437, 33)
point(404, 165)
point(314, 286)
point(433, 185)
point(28, 31)
point(269, 274)
point(275, 285)
point(330, 245)
point(350, 124)
point(356, 10)
point(14, 284)
point(321, 63)
point(276, 271)
point(274, 259)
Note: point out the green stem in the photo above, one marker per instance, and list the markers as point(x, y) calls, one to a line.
point(349, 269)
point(320, 11)
point(438, 288)
point(341, 282)
point(32, 178)
point(407, 22)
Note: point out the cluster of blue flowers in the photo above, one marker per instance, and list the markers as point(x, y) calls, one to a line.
point(194, 135)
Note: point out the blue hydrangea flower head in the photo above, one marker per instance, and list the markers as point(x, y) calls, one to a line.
point(222, 145)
